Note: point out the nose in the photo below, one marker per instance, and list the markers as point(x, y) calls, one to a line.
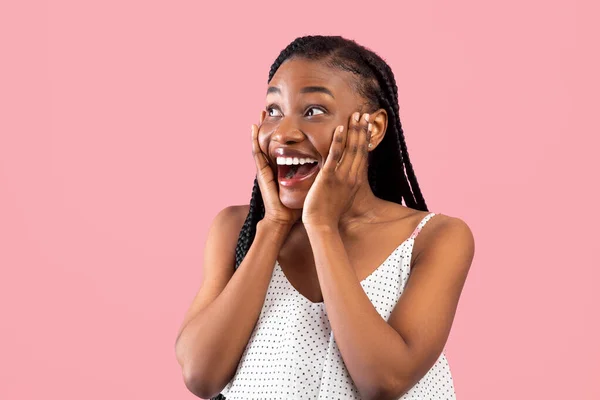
point(287, 132)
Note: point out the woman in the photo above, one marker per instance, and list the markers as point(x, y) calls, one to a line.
point(306, 290)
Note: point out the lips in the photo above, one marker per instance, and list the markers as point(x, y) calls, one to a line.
point(294, 166)
point(291, 153)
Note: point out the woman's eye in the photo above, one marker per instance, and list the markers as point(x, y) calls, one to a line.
point(313, 109)
point(273, 112)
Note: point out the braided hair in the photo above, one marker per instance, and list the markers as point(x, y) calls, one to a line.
point(387, 162)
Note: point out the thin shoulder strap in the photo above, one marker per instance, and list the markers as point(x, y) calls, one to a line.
point(421, 224)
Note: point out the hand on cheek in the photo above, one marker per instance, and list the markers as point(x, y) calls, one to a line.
point(337, 182)
point(275, 211)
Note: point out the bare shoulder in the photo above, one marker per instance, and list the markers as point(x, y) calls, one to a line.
point(223, 235)
point(444, 233)
point(425, 312)
point(219, 258)
point(231, 216)
point(452, 226)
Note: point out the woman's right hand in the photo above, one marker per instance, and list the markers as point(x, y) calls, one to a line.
point(275, 211)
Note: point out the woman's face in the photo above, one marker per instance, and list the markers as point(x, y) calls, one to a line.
point(306, 101)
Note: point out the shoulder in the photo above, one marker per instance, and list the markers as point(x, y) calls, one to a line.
point(447, 236)
point(226, 226)
point(453, 227)
point(236, 212)
point(231, 216)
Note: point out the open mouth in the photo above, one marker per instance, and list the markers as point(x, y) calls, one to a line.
point(293, 169)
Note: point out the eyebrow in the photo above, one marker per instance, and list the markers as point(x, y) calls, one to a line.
point(307, 89)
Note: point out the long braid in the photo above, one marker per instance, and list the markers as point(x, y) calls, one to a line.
point(387, 162)
point(391, 164)
point(390, 99)
point(415, 190)
point(248, 231)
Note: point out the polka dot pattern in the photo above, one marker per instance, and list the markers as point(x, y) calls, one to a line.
point(292, 352)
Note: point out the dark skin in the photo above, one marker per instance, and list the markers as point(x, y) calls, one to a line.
point(370, 227)
point(328, 234)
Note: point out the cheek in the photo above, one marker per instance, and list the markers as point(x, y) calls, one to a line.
point(263, 140)
point(323, 144)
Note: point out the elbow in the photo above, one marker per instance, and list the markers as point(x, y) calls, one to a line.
point(382, 393)
point(200, 384)
point(394, 393)
point(204, 378)
point(198, 379)
point(385, 389)
point(396, 389)
point(374, 391)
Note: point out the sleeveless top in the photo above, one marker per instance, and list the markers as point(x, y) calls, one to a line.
point(292, 352)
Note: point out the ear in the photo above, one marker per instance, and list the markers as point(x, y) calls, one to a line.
point(379, 121)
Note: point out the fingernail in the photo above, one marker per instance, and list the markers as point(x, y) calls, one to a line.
point(370, 126)
point(367, 117)
point(341, 128)
point(356, 117)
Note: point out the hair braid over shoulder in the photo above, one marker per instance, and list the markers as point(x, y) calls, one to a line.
point(390, 172)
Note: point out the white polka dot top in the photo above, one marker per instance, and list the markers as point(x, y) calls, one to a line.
point(292, 353)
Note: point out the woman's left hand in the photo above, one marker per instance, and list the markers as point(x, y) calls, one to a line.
point(337, 182)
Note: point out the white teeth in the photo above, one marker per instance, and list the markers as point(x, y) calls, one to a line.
point(294, 161)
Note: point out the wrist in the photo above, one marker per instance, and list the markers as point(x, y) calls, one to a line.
point(321, 227)
point(275, 227)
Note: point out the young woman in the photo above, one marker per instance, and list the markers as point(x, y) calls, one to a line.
point(326, 286)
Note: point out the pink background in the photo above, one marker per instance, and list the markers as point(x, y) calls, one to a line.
point(124, 128)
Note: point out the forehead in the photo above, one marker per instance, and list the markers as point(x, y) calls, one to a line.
point(296, 73)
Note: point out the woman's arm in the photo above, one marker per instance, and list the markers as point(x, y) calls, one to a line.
point(386, 358)
point(220, 321)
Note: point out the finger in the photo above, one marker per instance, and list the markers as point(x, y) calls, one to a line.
point(363, 151)
point(259, 157)
point(263, 114)
point(355, 131)
point(353, 117)
point(335, 150)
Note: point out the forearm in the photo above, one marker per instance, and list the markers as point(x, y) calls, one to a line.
point(214, 340)
point(371, 349)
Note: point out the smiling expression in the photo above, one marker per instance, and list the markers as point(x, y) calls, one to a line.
point(306, 100)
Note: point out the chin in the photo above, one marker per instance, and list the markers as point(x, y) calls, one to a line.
point(293, 200)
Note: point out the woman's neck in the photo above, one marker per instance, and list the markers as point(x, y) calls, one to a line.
point(366, 208)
